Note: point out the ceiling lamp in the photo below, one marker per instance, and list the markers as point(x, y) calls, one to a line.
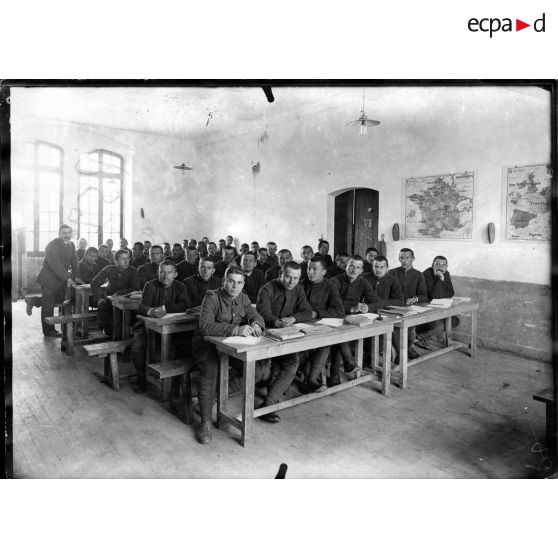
point(363, 121)
point(183, 168)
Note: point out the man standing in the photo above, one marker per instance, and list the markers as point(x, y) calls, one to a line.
point(189, 266)
point(325, 302)
point(254, 279)
point(357, 295)
point(274, 272)
point(198, 285)
point(122, 279)
point(60, 270)
point(414, 291)
point(282, 303)
point(160, 296)
point(150, 270)
point(224, 312)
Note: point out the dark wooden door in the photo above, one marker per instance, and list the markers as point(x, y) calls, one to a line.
point(356, 221)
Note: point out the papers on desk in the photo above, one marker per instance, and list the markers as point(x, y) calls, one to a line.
point(441, 302)
point(331, 322)
point(458, 299)
point(312, 328)
point(284, 333)
point(361, 319)
point(172, 315)
point(241, 340)
point(135, 295)
point(419, 309)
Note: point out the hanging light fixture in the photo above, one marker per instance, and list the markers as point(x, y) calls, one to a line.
point(363, 121)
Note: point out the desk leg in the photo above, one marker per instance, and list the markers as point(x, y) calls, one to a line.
point(447, 335)
point(115, 333)
point(126, 318)
point(248, 402)
point(165, 356)
point(403, 342)
point(473, 334)
point(386, 368)
point(359, 353)
point(223, 386)
point(374, 353)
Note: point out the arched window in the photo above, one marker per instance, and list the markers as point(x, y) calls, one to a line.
point(100, 176)
point(42, 193)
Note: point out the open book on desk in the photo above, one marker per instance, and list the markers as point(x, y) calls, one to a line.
point(312, 328)
point(441, 302)
point(241, 340)
point(284, 333)
point(331, 322)
point(361, 319)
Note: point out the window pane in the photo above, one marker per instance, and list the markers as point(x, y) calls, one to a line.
point(29, 241)
point(48, 156)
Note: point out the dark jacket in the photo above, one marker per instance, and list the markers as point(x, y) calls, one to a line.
point(103, 262)
point(324, 299)
point(353, 293)
point(120, 281)
point(272, 273)
point(87, 271)
point(185, 270)
point(387, 289)
point(328, 261)
point(435, 287)
point(412, 283)
point(137, 262)
point(253, 283)
point(147, 272)
point(175, 297)
point(333, 271)
point(276, 302)
point(59, 258)
point(197, 287)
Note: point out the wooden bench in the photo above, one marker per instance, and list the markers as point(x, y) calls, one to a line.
point(68, 322)
point(173, 369)
point(109, 351)
point(547, 397)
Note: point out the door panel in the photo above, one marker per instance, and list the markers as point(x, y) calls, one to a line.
point(343, 230)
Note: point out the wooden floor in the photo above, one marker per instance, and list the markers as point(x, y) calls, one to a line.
point(459, 418)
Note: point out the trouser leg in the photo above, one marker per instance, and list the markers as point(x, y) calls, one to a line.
point(288, 366)
point(51, 296)
point(139, 351)
point(104, 316)
point(347, 356)
point(208, 363)
point(318, 359)
point(335, 356)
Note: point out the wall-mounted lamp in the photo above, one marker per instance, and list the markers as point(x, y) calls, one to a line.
point(491, 232)
point(395, 232)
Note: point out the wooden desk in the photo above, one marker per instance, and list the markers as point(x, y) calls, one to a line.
point(268, 348)
point(83, 292)
point(403, 324)
point(126, 305)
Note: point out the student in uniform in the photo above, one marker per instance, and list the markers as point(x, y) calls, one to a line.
point(323, 250)
point(228, 258)
point(243, 249)
point(124, 246)
point(341, 261)
point(103, 256)
point(160, 296)
point(213, 252)
point(224, 312)
point(272, 254)
point(254, 279)
point(146, 247)
point(88, 267)
point(282, 303)
point(139, 258)
point(189, 266)
point(371, 253)
point(263, 265)
point(324, 299)
point(82, 246)
point(386, 286)
point(198, 285)
point(306, 253)
point(357, 295)
point(150, 270)
point(284, 256)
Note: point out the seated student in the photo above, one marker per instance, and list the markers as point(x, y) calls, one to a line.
point(160, 296)
point(284, 256)
point(189, 266)
point(199, 284)
point(414, 291)
point(243, 249)
point(228, 259)
point(272, 258)
point(177, 253)
point(124, 246)
point(167, 252)
point(341, 261)
point(213, 252)
point(122, 279)
point(224, 312)
point(110, 254)
point(323, 251)
point(221, 246)
point(202, 249)
point(371, 253)
point(306, 253)
point(205, 240)
point(229, 239)
point(146, 247)
point(139, 258)
point(254, 279)
point(80, 252)
point(263, 264)
point(193, 243)
point(103, 259)
point(356, 294)
point(324, 299)
point(254, 247)
point(438, 285)
point(282, 303)
point(150, 270)
point(88, 267)
point(386, 286)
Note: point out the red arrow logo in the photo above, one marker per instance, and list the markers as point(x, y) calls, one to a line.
point(519, 25)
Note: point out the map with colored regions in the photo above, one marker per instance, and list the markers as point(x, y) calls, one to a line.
point(439, 206)
point(528, 202)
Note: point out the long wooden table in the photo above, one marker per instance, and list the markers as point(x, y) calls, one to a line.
point(433, 314)
point(268, 348)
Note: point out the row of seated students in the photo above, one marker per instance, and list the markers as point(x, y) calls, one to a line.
point(227, 308)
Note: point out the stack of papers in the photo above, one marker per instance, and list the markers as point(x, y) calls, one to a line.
point(361, 319)
point(311, 328)
point(331, 322)
point(241, 340)
point(441, 302)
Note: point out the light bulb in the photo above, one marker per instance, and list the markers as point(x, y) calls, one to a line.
point(362, 129)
